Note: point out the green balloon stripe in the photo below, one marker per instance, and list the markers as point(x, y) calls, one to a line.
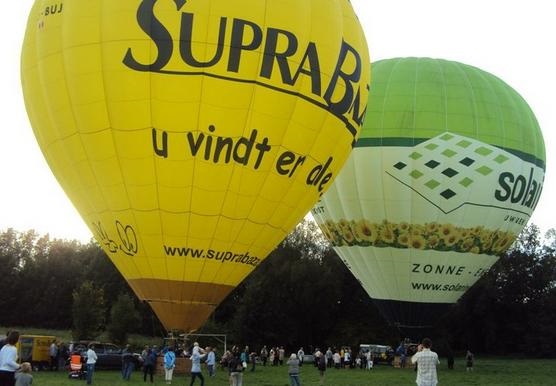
point(411, 142)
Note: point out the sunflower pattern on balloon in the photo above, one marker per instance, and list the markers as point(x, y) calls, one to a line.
point(428, 236)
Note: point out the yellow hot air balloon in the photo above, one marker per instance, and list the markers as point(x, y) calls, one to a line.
point(193, 135)
point(447, 171)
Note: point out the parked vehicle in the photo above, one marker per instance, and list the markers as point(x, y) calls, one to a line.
point(381, 353)
point(34, 349)
point(109, 355)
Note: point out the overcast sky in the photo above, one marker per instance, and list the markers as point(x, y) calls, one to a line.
point(511, 39)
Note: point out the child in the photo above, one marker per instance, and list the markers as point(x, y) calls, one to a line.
point(24, 377)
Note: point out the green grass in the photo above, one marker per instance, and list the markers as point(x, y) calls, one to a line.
point(492, 372)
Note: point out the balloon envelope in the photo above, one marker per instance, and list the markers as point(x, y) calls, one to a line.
point(193, 135)
point(447, 171)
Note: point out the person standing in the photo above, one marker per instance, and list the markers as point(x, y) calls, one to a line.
point(300, 355)
point(293, 370)
point(91, 360)
point(264, 355)
point(211, 361)
point(328, 355)
point(128, 363)
point(426, 361)
point(53, 353)
point(450, 357)
point(8, 359)
point(149, 361)
point(244, 357)
point(337, 360)
point(321, 365)
point(235, 368)
point(196, 356)
point(281, 355)
point(369, 357)
point(469, 359)
point(253, 360)
point(169, 365)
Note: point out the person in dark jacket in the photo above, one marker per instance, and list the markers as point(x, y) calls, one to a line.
point(321, 365)
point(149, 361)
point(235, 367)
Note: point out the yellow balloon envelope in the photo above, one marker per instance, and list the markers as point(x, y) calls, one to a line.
point(193, 135)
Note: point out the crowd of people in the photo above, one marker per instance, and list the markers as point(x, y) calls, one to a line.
point(234, 361)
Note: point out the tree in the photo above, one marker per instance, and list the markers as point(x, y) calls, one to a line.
point(509, 309)
point(88, 311)
point(123, 318)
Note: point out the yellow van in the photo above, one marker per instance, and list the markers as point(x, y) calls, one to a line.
point(34, 349)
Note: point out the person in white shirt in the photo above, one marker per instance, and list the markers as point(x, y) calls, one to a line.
point(196, 356)
point(91, 360)
point(300, 355)
point(53, 352)
point(8, 360)
point(426, 361)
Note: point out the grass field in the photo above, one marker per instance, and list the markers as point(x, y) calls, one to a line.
point(492, 372)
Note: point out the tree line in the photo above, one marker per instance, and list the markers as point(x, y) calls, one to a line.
point(301, 295)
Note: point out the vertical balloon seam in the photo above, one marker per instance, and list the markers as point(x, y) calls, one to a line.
point(471, 96)
point(102, 19)
point(115, 143)
point(345, 204)
point(292, 184)
point(44, 97)
point(197, 162)
point(501, 119)
point(80, 136)
point(156, 175)
point(393, 69)
point(446, 119)
point(416, 77)
point(31, 107)
point(359, 256)
point(247, 219)
point(377, 265)
point(68, 160)
point(240, 171)
point(513, 97)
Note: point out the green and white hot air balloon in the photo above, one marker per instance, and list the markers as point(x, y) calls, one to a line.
point(447, 171)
